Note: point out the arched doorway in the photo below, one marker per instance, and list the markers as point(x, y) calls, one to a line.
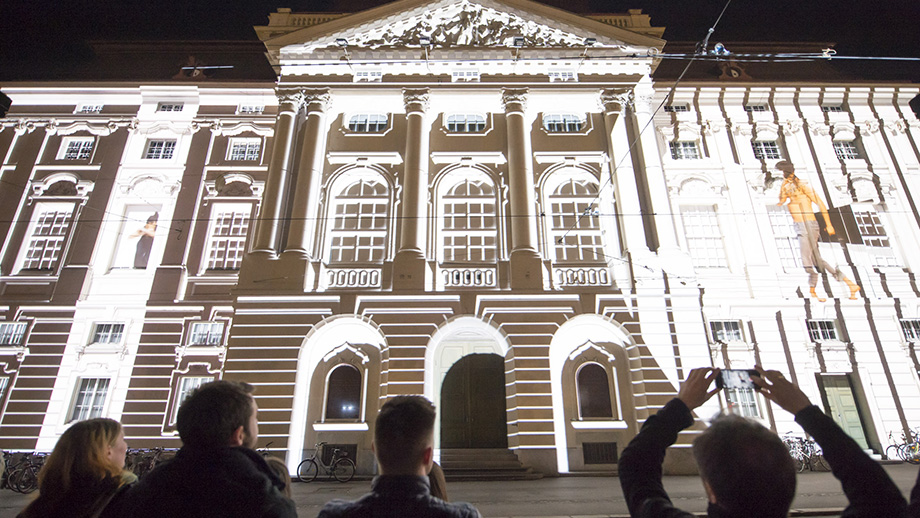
point(473, 411)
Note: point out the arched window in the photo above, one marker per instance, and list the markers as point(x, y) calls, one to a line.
point(576, 230)
point(593, 392)
point(343, 393)
point(359, 226)
point(470, 226)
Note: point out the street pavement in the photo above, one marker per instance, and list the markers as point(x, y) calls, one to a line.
point(581, 497)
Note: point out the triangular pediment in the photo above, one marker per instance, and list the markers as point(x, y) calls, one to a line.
point(456, 24)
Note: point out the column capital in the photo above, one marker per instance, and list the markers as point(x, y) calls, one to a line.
point(293, 96)
point(514, 96)
point(616, 99)
point(317, 100)
point(416, 100)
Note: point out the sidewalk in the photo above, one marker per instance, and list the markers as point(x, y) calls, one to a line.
point(819, 494)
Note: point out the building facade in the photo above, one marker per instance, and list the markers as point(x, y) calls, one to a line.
point(499, 205)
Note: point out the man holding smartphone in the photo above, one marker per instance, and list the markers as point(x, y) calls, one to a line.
point(745, 467)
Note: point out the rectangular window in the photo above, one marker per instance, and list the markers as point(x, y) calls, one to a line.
point(564, 123)
point(785, 237)
point(160, 149)
point(88, 108)
point(822, 330)
point(186, 385)
point(244, 149)
point(12, 333)
point(742, 401)
point(250, 109)
point(170, 107)
point(755, 108)
point(683, 150)
point(834, 108)
point(676, 108)
point(704, 237)
point(846, 150)
point(470, 123)
point(563, 76)
point(766, 150)
point(875, 238)
point(368, 123)
point(206, 333)
point(368, 76)
point(47, 235)
point(90, 399)
point(227, 241)
point(108, 333)
point(911, 329)
point(464, 76)
point(726, 331)
point(76, 148)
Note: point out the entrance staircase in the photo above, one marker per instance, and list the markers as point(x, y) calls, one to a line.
point(484, 464)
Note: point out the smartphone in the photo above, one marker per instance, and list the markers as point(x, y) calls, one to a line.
point(737, 379)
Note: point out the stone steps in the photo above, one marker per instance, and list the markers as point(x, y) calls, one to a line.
point(484, 464)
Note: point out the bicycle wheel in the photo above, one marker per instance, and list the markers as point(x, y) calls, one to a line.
point(820, 464)
point(891, 452)
point(27, 481)
point(307, 470)
point(343, 470)
point(912, 455)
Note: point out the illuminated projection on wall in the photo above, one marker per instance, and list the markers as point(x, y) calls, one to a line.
point(135, 239)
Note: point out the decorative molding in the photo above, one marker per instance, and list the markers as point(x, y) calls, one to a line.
point(588, 346)
point(148, 185)
point(321, 98)
point(743, 129)
point(711, 127)
point(766, 130)
point(358, 158)
point(616, 100)
point(819, 129)
point(290, 96)
point(347, 347)
point(869, 127)
point(82, 188)
point(462, 24)
point(514, 96)
point(844, 131)
point(895, 126)
point(469, 158)
point(239, 127)
point(792, 126)
point(416, 100)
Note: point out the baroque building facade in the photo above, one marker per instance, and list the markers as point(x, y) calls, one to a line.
point(507, 208)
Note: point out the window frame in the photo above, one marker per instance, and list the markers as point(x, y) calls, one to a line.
point(569, 235)
point(611, 393)
point(343, 206)
point(88, 109)
point(681, 150)
point(230, 246)
point(250, 109)
point(567, 123)
point(160, 149)
point(251, 149)
point(182, 392)
point(766, 150)
point(370, 75)
point(481, 125)
point(847, 150)
point(12, 330)
point(220, 335)
point(752, 402)
point(107, 333)
point(379, 126)
point(914, 335)
point(465, 75)
point(692, 239)
point(677, 108)
point(756, 108)
point(447, 234)
point(62, 239)
point(85, 147)
point(822, 326)
point(75, 410)
point(715, 334)
point(170, 106)
point(562, 76)
point(361, 390)
point(785, 238)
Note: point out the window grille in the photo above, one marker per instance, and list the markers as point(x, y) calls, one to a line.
point(755, 108)
point(108, 333)
point(170, 107)
point(227, 243)
point(576, 230)
point(90, 399)
point(250, 109)
point(49, 231)
point(368, 76)
point(726, 331)
point(564, 123)
point(12, 333)
point(785, 237)
point(704, 237)
point(470, 231)
point(206, 333)
point(832, 108)
point(911, 329)
point(89, 108)
point(563, 76)
point(743, 401)
point(245, 149)
point(676, 108)
point(875, 238)
point(464, 76)
point(822, 330)
point(359, 227)
point(684, 150)
point(766, 150)
point(368, 123)
point(846, 150)
point(77, 148)
point(160, 149)
point(466, 123)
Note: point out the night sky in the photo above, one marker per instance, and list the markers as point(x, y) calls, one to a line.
point(40, 32)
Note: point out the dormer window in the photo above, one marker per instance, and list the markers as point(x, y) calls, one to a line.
point(170, 107)
point(564, 123)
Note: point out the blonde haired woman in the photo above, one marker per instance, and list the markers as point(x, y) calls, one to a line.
point(84, 473)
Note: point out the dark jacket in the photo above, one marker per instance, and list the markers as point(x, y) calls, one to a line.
point(868, 488)
point(89, 499)
point(913, 511)
point(396, 496)
point(221, 483)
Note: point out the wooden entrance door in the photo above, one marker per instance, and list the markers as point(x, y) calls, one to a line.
point(842, 407)
point(473, 403)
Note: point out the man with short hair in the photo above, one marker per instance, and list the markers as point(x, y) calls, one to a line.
point(216, 473)
point(745, 468)
point(404, 446)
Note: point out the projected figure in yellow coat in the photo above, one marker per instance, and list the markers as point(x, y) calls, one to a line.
point(801, 197)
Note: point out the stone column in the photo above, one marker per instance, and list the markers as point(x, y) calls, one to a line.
point(309, 174)
point(629, 221)
point(526, 265)
point(409, 265)
point(269, 222)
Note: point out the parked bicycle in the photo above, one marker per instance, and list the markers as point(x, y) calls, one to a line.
point(141, 461)
point(340, 466)
point(907, 450)
point(22, 469)
point(806, 453)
